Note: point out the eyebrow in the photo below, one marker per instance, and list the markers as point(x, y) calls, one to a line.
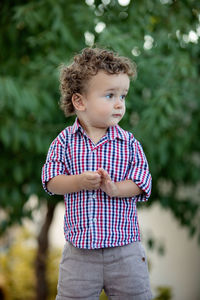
point(114, 89)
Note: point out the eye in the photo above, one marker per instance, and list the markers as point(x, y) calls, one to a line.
point(110, 96)
point(122, 97)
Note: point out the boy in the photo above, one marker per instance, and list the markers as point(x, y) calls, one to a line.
point(102, 172)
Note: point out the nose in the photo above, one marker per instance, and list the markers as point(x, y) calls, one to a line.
point(118, 103)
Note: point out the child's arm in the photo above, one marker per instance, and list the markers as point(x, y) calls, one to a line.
point(126, 188)
point(65, 184)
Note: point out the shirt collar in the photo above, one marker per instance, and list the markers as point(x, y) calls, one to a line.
point(76, 126)
point(116, 132)
point(112, 133)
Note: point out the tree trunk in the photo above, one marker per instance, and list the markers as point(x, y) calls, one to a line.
point(42, 252)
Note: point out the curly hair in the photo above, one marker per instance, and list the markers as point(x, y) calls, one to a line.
point(73, 78)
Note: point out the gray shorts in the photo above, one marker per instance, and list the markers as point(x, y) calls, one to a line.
point(121, 271)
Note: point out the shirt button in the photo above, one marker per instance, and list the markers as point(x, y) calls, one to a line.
point(94, 196)
point(94, 220)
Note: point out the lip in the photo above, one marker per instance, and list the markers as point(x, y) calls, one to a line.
point(117, 115)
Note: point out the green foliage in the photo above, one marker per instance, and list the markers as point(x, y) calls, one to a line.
point(17, 268)
point(163, 293)
point(103, 296)
point(163, 106)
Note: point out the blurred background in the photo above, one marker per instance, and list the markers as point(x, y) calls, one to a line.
point(163, 112)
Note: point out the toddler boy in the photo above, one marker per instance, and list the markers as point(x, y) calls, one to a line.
point(102, 172)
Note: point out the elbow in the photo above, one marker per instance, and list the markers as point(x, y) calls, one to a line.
point(49, 186)
point(55, 186)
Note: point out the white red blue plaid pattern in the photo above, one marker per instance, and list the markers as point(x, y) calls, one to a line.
point(93, 219)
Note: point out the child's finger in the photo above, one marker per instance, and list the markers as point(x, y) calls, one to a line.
point(104, 173)
point(94, 176)
point(99, 171)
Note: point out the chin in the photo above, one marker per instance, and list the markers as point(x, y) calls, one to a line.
point(114, 123)
point(109, 123)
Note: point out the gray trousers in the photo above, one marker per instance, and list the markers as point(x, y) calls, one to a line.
point(121, 271)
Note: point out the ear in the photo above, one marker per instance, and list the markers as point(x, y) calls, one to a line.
point(78, 102)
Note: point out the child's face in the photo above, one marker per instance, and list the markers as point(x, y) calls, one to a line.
point(104, 99)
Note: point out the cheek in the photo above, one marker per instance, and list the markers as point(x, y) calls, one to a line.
point(107, 109)
point(104, 108)
point(124, 108)
point(103, 112)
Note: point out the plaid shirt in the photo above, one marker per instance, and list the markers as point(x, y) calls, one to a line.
point(93, 219)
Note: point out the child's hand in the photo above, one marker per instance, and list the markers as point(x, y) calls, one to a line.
point(107, 185)
point(90, 180)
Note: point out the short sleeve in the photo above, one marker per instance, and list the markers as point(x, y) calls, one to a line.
point(139, 171)
point(55, 161)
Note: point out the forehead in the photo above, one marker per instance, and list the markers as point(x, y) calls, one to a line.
point(105, 81)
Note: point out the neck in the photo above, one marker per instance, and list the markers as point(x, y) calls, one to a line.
point(95, 133)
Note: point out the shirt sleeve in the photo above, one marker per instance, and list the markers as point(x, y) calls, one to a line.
point(139, 171)
point(55, 161)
